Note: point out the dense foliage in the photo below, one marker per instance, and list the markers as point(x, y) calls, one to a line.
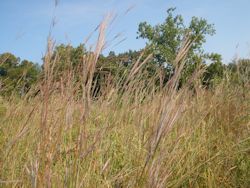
point(17, 76)
point(163, 41)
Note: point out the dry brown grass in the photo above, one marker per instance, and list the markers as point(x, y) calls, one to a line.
point(141, 137)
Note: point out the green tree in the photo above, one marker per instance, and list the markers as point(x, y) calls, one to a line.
point(214, 71)
point(239, 71)
point(16, 76)
point(165, 41)
point(68, 56)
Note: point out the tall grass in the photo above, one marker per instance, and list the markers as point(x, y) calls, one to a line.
point(134, 135)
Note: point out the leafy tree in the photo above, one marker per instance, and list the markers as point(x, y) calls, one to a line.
point(165, 41)
point(30, 74)
point(114, 66)
point(68, 56)
point(16, 76)
point(240, 73)
point(8, 60)
point(214, 71)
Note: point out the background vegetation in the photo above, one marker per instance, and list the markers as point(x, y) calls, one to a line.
point(168, 115)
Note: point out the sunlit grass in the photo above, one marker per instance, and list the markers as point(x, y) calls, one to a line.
point(130, 136)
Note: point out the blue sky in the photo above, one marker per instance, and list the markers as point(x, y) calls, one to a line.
point(25, 24)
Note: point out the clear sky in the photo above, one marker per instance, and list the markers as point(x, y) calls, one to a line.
point(25, 23)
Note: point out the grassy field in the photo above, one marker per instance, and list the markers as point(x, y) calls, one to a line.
point(132, 135)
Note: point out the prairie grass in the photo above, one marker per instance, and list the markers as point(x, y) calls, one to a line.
point(131, 135)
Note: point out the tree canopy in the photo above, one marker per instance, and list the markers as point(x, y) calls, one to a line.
point(17, 75)
point(164, 40)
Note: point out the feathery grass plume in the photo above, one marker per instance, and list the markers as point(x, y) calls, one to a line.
point(135, 134)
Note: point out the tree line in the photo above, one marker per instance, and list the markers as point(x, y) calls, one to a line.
point(163, 42)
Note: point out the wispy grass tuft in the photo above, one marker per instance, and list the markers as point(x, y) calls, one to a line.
point(132, 135)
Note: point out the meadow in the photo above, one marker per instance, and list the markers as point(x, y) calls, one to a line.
point(133, 133)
